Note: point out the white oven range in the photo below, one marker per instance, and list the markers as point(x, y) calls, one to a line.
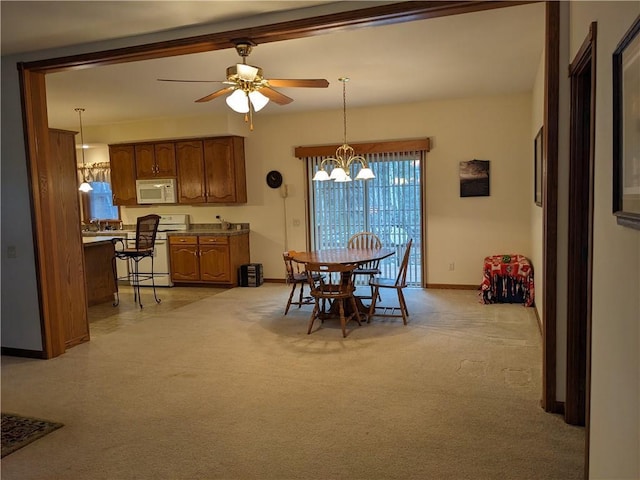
point(161, 263)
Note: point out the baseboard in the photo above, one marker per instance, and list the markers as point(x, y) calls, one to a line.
point(450, 286)
point(538, 319)
point(275, 280)
point(21, 352)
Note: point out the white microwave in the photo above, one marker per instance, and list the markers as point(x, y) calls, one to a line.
point(161, 190)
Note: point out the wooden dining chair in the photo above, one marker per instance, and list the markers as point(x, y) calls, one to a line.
point(399, 283)
point(368, 240)
point(332, 282)
point(296, 277)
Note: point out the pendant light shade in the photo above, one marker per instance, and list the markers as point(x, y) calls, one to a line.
point(258, 100)
point(84, 186)
point(238, 101)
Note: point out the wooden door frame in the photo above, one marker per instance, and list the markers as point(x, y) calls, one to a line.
point(582, 74)
point(34, 113)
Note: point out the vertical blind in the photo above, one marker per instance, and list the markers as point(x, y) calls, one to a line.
point(390, 205)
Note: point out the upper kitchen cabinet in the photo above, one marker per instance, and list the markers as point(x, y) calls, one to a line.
point(225, 170)
point(155, 160)
point(190, 162)
point(211, 170)
point(123, 174)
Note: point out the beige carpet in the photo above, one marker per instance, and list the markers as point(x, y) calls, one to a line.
point(226, 387)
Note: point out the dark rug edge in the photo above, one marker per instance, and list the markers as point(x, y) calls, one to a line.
point(12, 447)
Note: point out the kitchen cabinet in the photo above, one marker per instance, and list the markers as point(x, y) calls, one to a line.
point(123, 174)
point(225, 170)
point(211, 259)
point(155, 160)
point(98, 256)
point(67, 243)
point(208, 170)
point(211, 170)
point(191, 177)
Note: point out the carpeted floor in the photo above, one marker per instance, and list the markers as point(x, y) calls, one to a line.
point(226, 387)
point(19, 431)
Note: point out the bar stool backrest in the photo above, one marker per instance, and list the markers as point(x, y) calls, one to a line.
point(146, 231)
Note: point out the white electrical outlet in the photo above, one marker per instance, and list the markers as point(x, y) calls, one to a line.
point(296, 222)
point(452, 266)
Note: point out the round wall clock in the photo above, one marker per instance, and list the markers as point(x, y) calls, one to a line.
point(274, 179)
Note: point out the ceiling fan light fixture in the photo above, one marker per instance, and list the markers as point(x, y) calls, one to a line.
point(244, 72)
point(238, 101)
point(258, 100)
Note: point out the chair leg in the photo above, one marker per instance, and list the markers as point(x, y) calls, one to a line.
point(403, 306)
point(314, 314)
point(374, 300)
point(114, 268)
point(153, 282)
point(136, 283)
point(301, 292)
point(293, 289)
point(356, 311)
point(343, 322)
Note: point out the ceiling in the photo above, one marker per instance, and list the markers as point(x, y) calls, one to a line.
point(484, 53)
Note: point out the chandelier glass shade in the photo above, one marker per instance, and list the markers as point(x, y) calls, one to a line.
point(345, 155)
point(85, 186)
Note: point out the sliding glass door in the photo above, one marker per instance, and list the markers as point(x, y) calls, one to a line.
point(390, 205)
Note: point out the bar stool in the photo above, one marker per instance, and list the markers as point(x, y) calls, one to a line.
point(146, 230)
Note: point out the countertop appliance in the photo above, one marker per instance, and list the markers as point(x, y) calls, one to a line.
point(160, 190)
point(161, 263)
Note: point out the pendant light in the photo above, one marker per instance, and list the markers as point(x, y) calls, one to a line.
point(345, 155)
point(84, 186)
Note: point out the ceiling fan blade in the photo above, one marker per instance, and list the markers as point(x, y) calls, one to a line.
point(190, 81)
point(290, 82)
point(275, 96)
point(215, 94)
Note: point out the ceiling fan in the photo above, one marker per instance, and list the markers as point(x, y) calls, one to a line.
point(249, 90)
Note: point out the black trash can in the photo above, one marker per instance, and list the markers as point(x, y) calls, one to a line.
point(250, 275)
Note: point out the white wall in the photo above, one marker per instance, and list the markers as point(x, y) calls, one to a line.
point(536, 229)
point(615, 363)
point(459, 230)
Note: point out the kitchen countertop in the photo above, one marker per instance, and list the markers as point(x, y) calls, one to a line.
point(204, 229)
point(94, 240)
point(209, 231)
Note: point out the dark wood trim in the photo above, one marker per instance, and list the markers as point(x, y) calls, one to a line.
point(550, 204)
point(582, 73)
point(423, 144)
point(40, 167)
point(580, 234)
point(306, 27)
point(451, 286)
point(275, 280)
point(21, 352)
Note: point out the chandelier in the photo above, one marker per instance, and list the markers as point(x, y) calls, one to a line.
point(84, 186)
point(345, 154)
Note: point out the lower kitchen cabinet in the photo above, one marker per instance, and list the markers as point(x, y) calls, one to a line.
point(210, 259)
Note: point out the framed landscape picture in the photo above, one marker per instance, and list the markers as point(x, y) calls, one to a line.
point(626, 129)
point(474, 178)
point(538, 146)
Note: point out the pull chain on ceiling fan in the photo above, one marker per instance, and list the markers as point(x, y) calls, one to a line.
point(248, 90)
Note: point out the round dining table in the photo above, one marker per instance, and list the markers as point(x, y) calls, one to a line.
point(343, 255)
